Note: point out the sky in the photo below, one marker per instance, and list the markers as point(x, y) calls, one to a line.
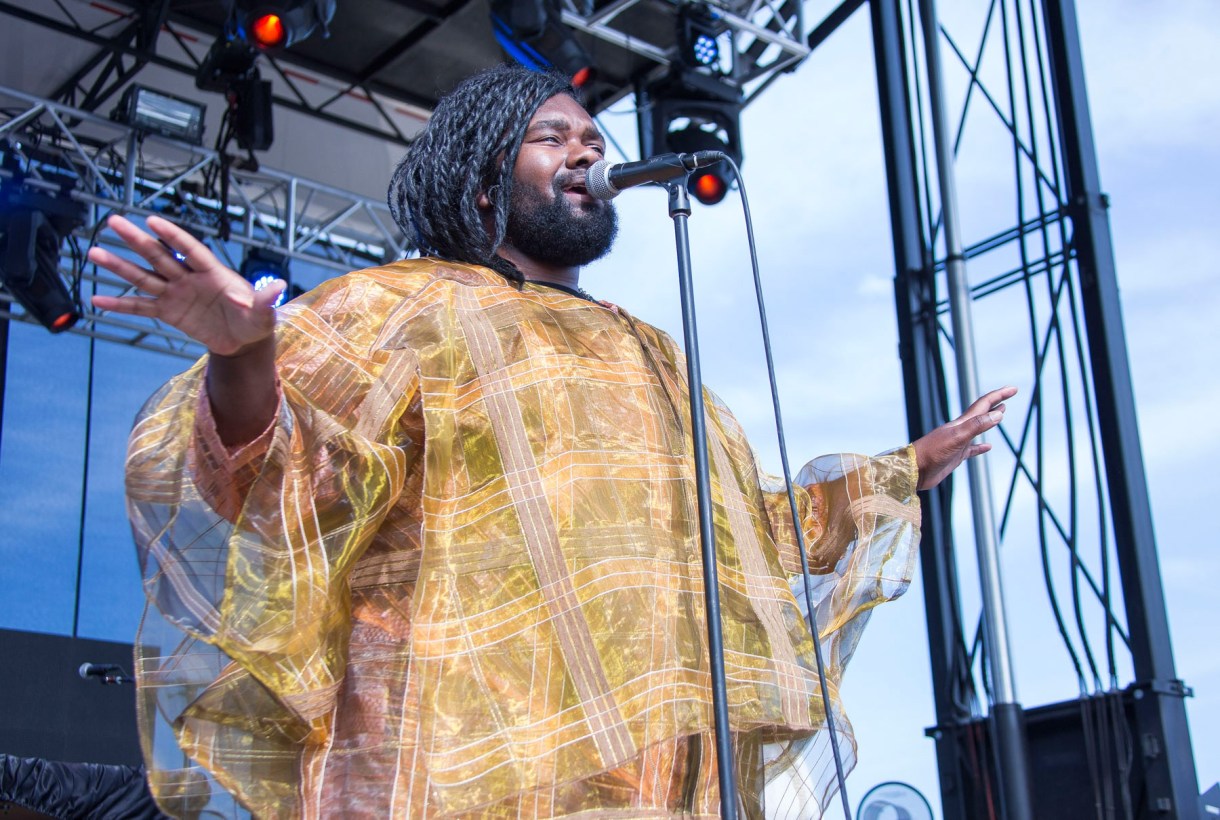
point(814, 170)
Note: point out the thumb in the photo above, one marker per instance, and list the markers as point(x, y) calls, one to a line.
point(268, 295)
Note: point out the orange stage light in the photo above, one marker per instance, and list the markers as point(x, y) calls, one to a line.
point(268, 31)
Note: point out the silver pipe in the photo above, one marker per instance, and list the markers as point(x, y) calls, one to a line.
point(129, 171)
point(786, 41)
point(290, 230)
point(1005, 718)
point(995, 622)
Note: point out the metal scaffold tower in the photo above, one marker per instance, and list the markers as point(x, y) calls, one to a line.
point(1071, 490)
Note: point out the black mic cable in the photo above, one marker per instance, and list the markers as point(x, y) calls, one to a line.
point(840, 775)
point(606, 180)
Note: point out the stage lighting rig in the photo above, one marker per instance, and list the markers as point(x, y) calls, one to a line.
point(533, 34)
point(154, 112)
point(261, 267)
point(32, 230)
point(701, 32)
point(230, 68)
point(689, 111)
point(275, 26)
point(228, 61)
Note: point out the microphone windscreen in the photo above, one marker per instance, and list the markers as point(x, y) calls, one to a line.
point(597, 181)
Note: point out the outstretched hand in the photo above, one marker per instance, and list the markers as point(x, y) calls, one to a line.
point(212, 304)
point(941, 451)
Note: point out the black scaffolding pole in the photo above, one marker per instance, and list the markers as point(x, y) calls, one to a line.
point(1163, 743)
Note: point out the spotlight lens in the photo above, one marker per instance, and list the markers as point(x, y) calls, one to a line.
point(706, 50)
point(268, 31)
point(265, 281)
point(582, 76)
point(709, 188)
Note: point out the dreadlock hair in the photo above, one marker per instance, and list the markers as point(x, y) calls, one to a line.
point(469, 148)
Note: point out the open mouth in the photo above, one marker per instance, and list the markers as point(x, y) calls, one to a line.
point(577, 187)
point(574, 184)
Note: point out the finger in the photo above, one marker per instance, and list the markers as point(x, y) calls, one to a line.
point(198, 257)
point(148, 247)
point(131, 305)
point(146, 280)
point(986, 421)
point(991, 399)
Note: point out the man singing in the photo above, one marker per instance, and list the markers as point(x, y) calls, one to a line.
point(425, 543)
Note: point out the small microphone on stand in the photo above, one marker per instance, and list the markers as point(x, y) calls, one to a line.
point(106, 673)
point(606, 180)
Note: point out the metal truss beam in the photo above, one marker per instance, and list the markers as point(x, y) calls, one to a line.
point(138, 39)
point(53, 149)
point(117, 48)
point(768, 36)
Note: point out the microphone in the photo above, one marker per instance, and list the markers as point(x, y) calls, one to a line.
point(606, 181)
point(105, 672)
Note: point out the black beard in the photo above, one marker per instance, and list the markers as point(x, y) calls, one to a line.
point(550, 231)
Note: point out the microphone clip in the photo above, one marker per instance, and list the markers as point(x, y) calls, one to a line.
point(107, 674)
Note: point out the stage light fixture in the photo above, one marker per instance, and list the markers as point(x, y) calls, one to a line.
point(261, 267)
point(700, 30)
point(708, 185)
point(268, 32)
point(691, 111)
point(228, 61)
point(230, 68)
point(253, 122)
point(32, 230)
point(532, 33)
point(274, 26)
point(154, 112)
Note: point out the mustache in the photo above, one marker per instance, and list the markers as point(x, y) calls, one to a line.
point(568, 179)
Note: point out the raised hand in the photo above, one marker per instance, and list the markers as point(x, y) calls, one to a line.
point(210, 303)
point(942, 450)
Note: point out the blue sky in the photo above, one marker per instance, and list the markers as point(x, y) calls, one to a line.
point(814, 170)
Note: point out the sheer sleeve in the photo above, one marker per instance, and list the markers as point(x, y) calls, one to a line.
point(222, 474)
point(860, 517)
point(245, 555)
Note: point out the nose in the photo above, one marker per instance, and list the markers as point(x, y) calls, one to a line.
point(583, 156)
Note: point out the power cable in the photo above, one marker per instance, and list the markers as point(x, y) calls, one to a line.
point(798, 529)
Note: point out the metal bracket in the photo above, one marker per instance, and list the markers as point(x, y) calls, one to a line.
point(1172, 688)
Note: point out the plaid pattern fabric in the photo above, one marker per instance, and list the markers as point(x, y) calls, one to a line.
point(460, 576)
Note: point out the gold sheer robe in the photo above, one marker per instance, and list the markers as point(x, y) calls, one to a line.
point(460, 575)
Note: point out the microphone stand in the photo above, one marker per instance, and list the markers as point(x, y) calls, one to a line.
point(679, 211)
